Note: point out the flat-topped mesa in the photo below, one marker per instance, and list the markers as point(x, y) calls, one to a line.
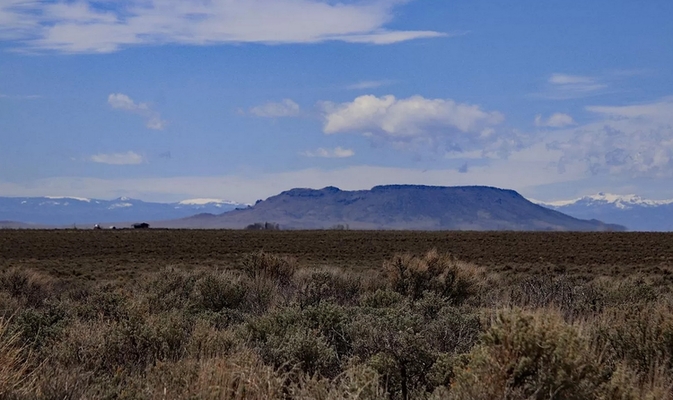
point(416, 207)
point(306, 192)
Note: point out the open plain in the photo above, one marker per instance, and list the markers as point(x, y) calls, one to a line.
point(127, 253)
point(190, 314)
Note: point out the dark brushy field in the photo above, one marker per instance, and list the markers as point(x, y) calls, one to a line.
point(125, 253)
point(188, 314)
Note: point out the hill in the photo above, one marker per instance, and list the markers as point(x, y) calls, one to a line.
point(20, 225)
point(397, 207)
point(69, 211)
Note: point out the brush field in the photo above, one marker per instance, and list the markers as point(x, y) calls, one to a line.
point(171, 314)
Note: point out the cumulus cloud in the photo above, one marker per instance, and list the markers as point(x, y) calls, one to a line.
point(633, 141)
point(123, 102)
point(458, 126)
point(285, 108)
point(128, 158)
point(93, 26)
point(556, 120)
point(337, 152)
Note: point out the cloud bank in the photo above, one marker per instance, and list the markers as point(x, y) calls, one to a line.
point(88, 26)
point(629, 141)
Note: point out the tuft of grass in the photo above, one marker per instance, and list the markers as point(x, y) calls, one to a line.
point(15, 374)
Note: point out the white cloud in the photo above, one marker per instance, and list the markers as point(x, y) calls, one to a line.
point(388, 37)
point(285, 108)
point(368, 85)
point(564, 86)
point(556, 120)
point(564, 79)
point(337, 152)
point(631, 141)
point(20, 96)
point(438, 122)
point(123, 102)
point(247, 188)
point(128, 158)
point(87, 26)
point(660, 111)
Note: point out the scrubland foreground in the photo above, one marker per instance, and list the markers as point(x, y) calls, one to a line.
point(420, 327)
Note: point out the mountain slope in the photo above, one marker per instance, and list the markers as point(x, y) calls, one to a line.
point(632, 211)
point(397, 207)
point(60, 211)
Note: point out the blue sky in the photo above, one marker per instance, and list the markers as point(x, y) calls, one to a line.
point(240, 99)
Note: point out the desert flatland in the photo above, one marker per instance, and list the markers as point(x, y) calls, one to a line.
point(195, 314)
point(128, 252)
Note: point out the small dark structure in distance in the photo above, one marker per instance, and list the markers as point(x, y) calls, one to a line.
point(143, 225)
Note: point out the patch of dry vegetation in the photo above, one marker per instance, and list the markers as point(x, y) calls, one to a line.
point(268, 327)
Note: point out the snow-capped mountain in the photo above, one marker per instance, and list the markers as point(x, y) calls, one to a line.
point(632, 211)
point(59, 211)
point(207, 202)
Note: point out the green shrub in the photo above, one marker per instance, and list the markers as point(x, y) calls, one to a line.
point(530, 356)
point(38, 328)
point(315, 286)
point(332, 321)
point(105, 302)
point(216, 292)
point(443, 274)
point(129, 345)
point(381, 298)
point(302, 348)
point(308, 339)
point(259, 330)
point(453, 330)
point(262, 293)
point(30, 287)
point(268, 266)
point(642, 337)
point(170, 289)
point(393, 341)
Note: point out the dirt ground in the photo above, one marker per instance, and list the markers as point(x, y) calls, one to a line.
point(124, 254)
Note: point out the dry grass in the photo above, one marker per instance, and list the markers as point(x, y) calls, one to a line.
point(420, 326)
point(15, 373)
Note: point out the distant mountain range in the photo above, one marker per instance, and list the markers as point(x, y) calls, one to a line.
point(397, 207)
point(69, 211)
point(632, 211)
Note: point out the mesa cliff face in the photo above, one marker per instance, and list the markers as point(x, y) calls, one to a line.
point(398, 207)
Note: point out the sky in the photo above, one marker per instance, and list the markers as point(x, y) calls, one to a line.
point(166, 100)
